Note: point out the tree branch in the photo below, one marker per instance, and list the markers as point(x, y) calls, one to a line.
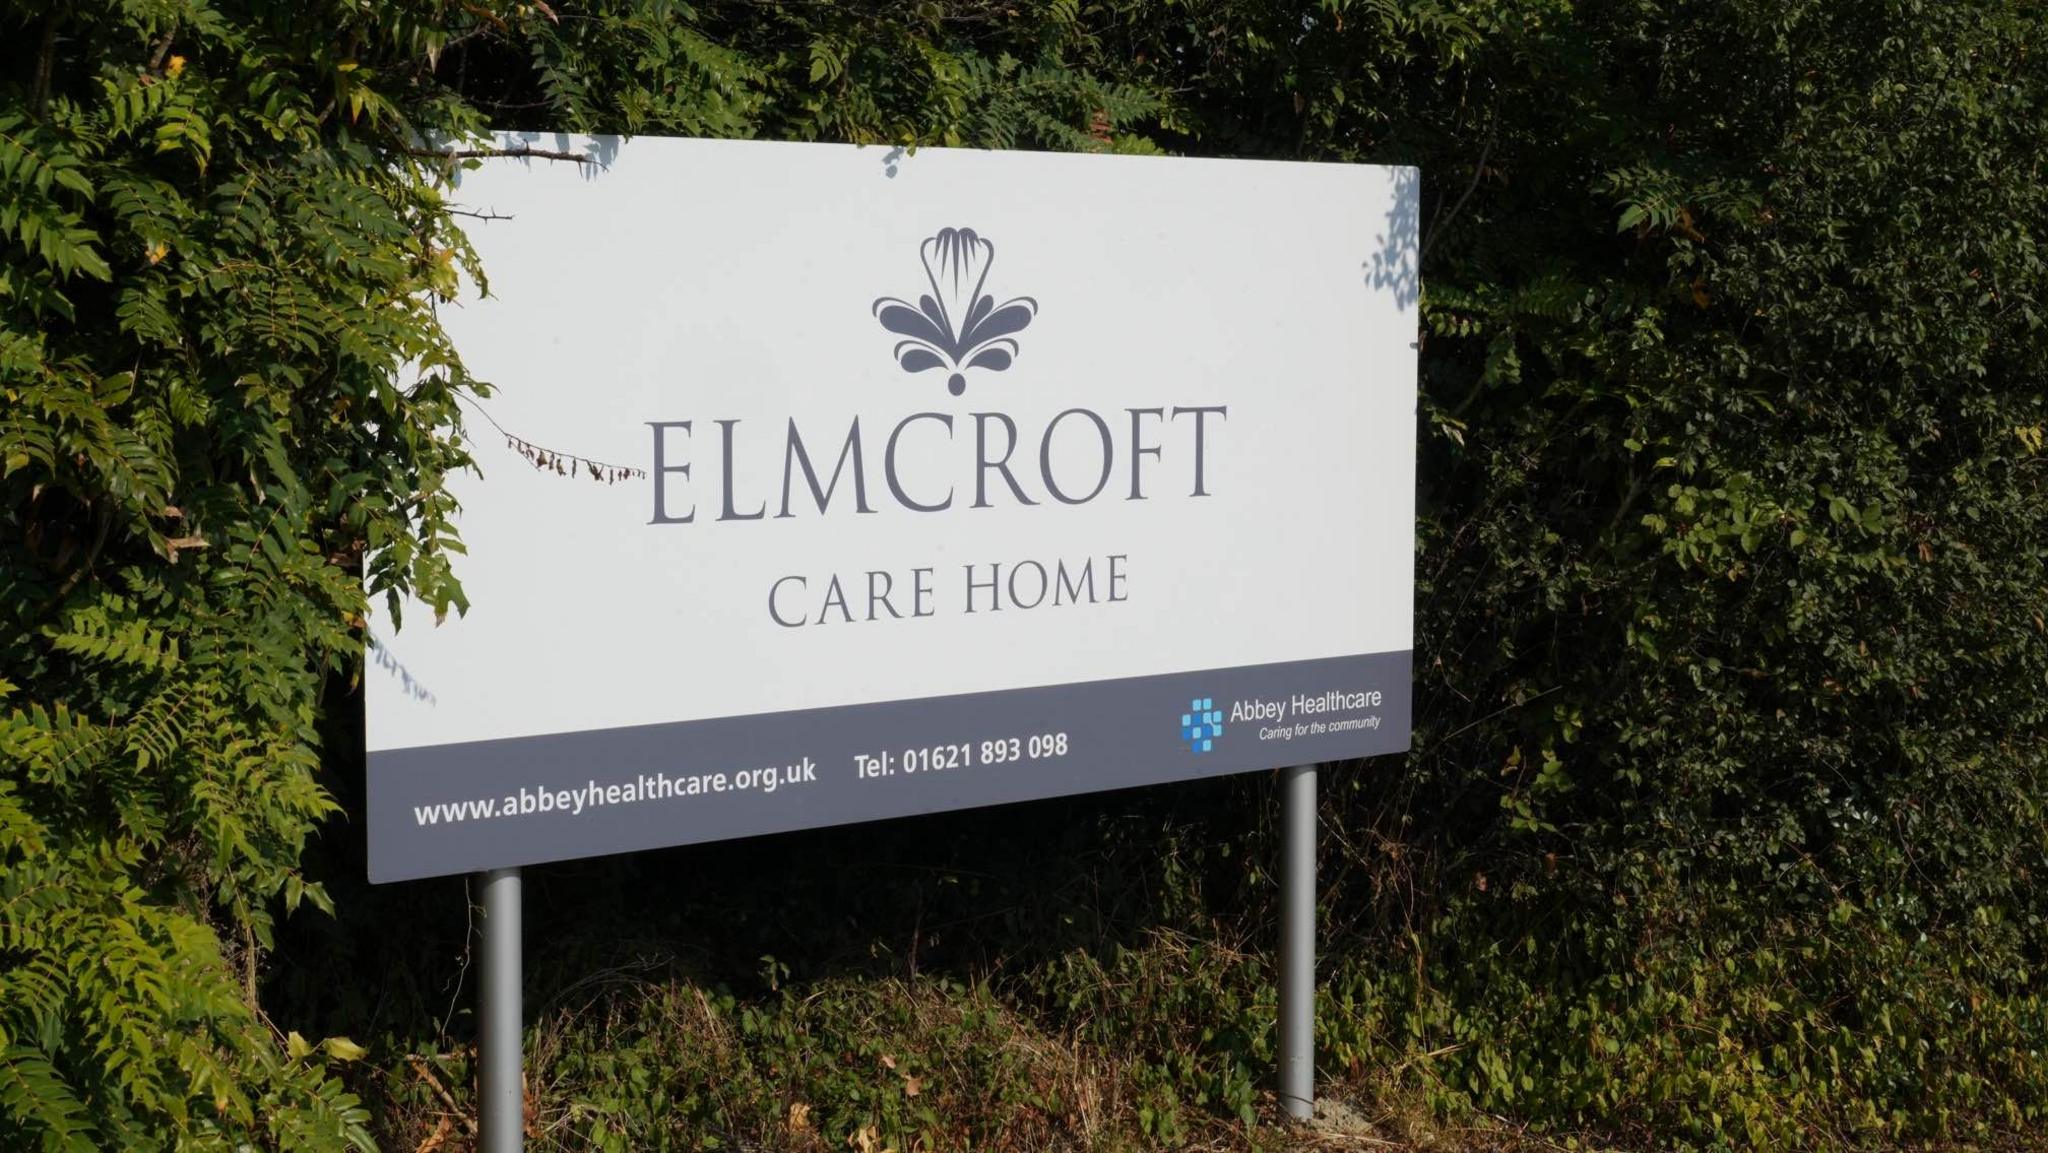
point(163, 49)
point(46, 65)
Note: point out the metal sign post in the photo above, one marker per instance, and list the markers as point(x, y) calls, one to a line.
point(1298, 941)
point(501, 1097)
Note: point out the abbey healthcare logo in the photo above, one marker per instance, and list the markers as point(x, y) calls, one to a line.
point(1201, 725)
point(956, 327)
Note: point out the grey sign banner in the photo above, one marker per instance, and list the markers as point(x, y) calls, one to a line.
point(460, 808)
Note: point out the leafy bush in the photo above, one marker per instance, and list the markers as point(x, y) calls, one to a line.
point(1733, 581)
point(211, 279)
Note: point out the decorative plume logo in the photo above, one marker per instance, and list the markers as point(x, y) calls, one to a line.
point(956, 326)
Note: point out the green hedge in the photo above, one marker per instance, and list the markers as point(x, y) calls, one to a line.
point(1724, 816)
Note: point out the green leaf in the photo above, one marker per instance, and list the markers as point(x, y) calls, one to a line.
point(343, 1049)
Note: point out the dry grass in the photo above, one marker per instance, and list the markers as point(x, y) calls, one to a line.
point(641, 1057)
point(968, 1071)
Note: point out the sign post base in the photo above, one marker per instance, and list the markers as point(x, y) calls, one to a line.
point(1298, 941)
point(501, 1091)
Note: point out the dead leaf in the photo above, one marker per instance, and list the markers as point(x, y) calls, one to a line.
point(173, 544)
point(438, 1137)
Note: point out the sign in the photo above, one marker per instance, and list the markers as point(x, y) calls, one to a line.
point(881, 483)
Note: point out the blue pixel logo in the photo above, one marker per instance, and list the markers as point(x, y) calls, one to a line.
point(1201, 725)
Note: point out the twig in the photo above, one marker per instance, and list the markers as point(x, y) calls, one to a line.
point(1432, 1055)
point(104, 520)
point(468, 937)
point(460, 40)
point(1436, 230)
point(520, 152)
point(478, 215)
point(1507, 708)
point(561, 463)
point(1635, 489)
point(419, 1066)
point(485, 14)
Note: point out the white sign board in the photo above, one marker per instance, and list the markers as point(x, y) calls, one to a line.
point(959, 478)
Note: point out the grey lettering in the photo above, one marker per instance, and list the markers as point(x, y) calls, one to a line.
point(881, 597)
point(793, 454)
point(889, 463)
point(774, 590)
point(1045, 457)
point(661, 470)
point(983, 464)
point(725, 439)
point(1139, 449)
point(1200, 443)
point(1043, 584)
point(995, 595)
